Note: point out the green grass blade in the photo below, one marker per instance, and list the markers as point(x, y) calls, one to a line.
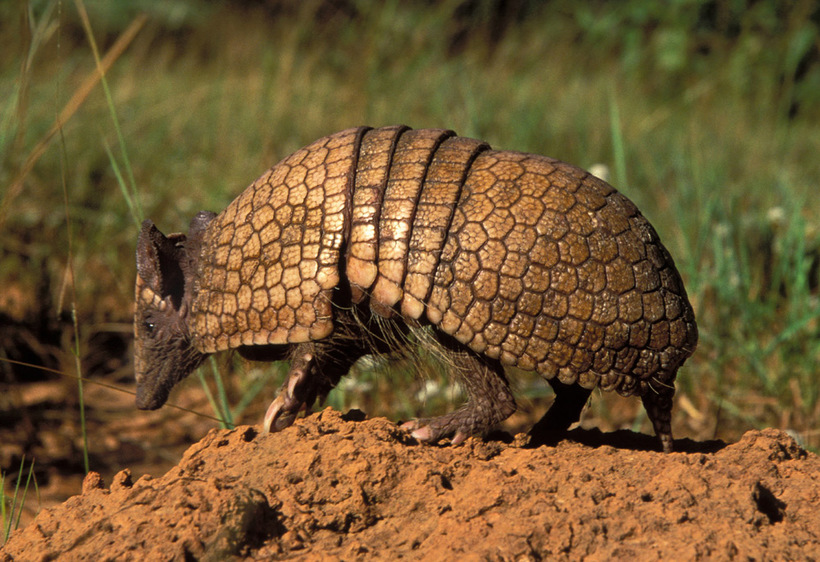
point(225, 420)
point(131, 201)
point(225, 407)
point(209, 395)
point(73, 288)
point(25, 493)
point(10, 519)
point(132, 184)
point(279, 370)
point(3, 513)
point(3, 505)
point(7, 530)
point(618, 151)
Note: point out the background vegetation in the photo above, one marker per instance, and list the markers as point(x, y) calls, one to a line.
point(705, 111)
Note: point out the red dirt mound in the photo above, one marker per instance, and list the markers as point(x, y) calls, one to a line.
point(334, 487)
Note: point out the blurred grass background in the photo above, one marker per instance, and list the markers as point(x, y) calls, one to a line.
point(705, 111)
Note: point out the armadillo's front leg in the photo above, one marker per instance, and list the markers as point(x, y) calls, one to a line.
point(298, 392)
point(490, 402)
point(315, 369)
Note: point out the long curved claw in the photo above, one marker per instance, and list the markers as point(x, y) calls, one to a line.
point(294, 396)
point(459, 438)
point(277, 417)
point(272, 415)
point(420, 433)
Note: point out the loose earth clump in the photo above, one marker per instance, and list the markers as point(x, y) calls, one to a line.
point(336, 487)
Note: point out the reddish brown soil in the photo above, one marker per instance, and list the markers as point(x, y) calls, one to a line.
point(335, 487)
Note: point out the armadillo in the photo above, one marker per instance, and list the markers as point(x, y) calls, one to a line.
point(374, 237)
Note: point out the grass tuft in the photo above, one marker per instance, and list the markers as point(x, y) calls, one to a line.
point(11, 508)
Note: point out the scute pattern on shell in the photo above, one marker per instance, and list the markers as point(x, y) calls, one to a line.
point(548, 268)
point(520, 257)
point(270, 260)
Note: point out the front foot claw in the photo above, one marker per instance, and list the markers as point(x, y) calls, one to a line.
point(280, 415)
point(296, 395)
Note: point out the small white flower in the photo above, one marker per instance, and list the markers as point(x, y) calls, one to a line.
point(430, 389)
point(776, 215)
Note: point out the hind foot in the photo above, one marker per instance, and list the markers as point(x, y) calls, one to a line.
point(490, 399)
point(468, 420)
point(658, 404)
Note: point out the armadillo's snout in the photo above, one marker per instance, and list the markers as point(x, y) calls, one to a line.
point(152, 393)
point(150, 399)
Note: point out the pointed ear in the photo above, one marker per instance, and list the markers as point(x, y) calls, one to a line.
point(157, 262)
point(199, 223)
point(148, 256)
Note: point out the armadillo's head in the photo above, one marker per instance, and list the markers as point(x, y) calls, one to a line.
point(163, 353)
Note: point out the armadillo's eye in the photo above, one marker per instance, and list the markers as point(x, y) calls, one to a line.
point(149, 327)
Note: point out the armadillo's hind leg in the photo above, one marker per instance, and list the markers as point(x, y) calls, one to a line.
point(658, 404)
point(490, 401)
point(315, 369)
point(570, 400)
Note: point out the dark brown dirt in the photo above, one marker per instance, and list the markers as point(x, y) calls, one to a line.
point(334, 487)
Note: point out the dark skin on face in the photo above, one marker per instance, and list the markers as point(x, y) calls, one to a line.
point(163, 351)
